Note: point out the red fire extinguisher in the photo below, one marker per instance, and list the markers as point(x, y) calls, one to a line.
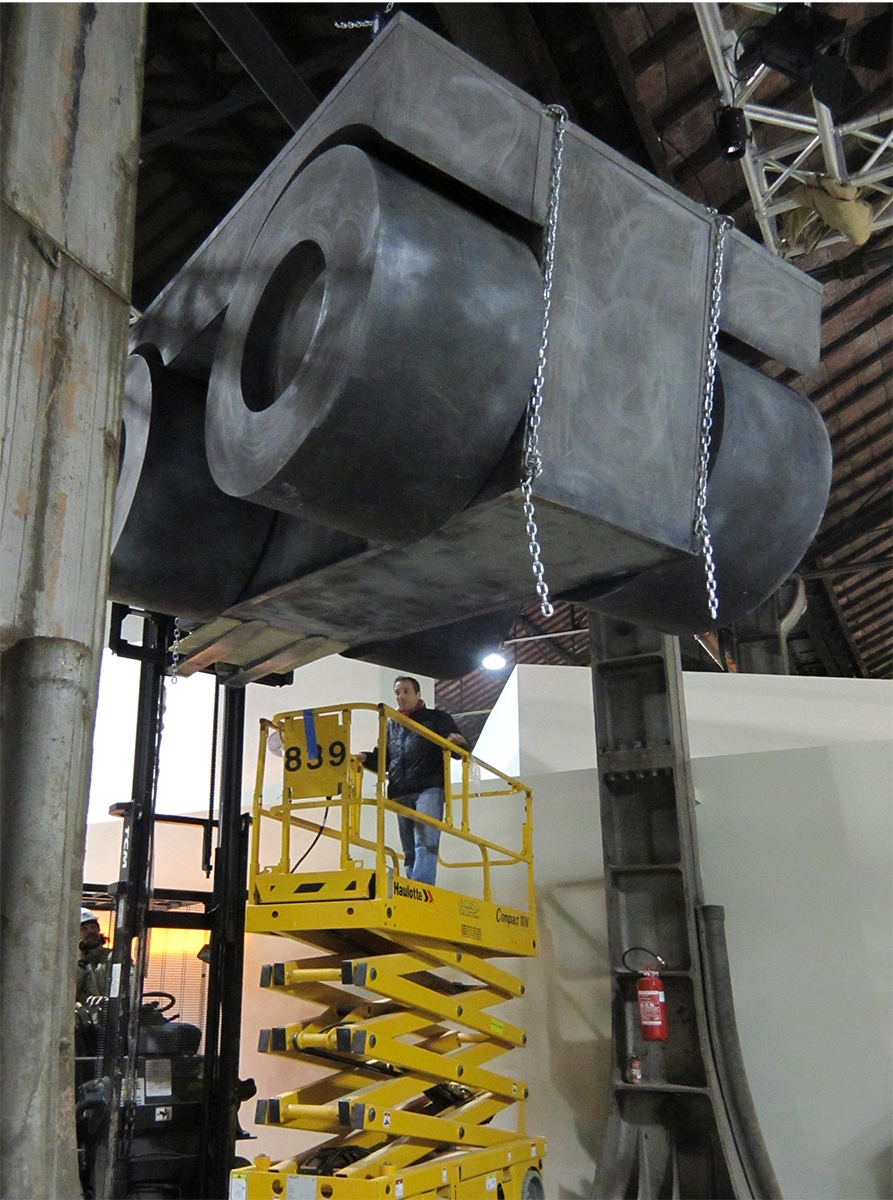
point(651, 1001)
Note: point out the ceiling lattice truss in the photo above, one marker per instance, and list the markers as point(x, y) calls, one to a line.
point(649, 80)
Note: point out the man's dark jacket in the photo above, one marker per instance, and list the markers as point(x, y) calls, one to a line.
point(414, 763)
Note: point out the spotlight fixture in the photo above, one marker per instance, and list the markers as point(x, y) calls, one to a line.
point(806, 44)
point(731, 132)
point(493, 662)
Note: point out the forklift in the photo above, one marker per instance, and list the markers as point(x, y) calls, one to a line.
point(158, 1091)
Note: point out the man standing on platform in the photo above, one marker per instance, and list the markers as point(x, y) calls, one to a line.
point(416, 775)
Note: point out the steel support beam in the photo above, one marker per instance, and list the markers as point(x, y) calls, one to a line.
point(69, 123)
point(681, 1121)
point(250, 43)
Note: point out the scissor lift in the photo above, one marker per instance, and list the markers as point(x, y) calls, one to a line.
point(406, 983)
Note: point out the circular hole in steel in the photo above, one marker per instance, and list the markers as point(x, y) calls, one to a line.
point(283, 325)
point(350, 912)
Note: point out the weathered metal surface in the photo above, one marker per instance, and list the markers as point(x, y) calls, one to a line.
point(376, 354)
point(446, 651)
point(48, 704)
point(759, 289)
point(624, 393)
point(476, 562)
point(70, 119)
point(429, 99)
point(768, 488)
point(627, 344)
point(683, 1127)
point(205, 544)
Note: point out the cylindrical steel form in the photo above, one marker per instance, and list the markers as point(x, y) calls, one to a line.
point(179, 545)
point(767, 490)
point(376, 355)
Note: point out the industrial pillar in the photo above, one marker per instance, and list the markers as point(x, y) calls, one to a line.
point(69, 122)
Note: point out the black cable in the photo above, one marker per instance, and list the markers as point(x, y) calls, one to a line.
point(630, 949)
point(319, 833)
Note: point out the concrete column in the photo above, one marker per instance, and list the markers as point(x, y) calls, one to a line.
point(69, 124)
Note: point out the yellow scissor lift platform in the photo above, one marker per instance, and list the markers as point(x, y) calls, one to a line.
point(406, 980)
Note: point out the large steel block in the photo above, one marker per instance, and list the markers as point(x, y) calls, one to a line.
point(769, 481)
point(178, 544)
point(376, 354)
point(369, 319)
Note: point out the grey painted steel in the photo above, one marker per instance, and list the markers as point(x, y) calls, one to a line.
point(179, 545)
point(790, 333)
point(69, 126)
point(477, 562)
point(294, 548)
point(727, 1054)
point(769, 484)
point(48, 705)
point(619, 434)
point(376, 355)
point(446, 652)
point(423, 95)
point(685, 1130)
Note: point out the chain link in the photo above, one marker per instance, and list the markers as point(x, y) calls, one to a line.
point(721, 226)
point(374, 23)
point(175, 651)
point(532, 461)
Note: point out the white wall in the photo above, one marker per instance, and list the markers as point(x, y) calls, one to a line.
point(793, 779)
point(796, 845)
point(735, 714)
point(185, 763)
point(793, 782)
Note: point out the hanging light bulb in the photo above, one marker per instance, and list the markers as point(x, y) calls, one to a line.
point(493, 662)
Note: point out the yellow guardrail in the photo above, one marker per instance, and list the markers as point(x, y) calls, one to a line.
point(318, 766)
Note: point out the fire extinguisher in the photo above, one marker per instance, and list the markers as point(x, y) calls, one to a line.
point(650, 998)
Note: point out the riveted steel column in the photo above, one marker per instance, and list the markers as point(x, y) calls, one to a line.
point(69, 122)
point(681, 1122)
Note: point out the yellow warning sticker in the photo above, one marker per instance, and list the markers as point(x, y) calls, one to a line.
point(496, 1026)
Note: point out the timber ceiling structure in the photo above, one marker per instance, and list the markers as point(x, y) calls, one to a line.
point(219, 78)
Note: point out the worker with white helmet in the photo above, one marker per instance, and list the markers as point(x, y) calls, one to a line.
point(93, 958)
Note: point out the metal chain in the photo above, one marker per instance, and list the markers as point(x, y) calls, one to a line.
point(532, 461)
point(721, 226)
point(175, 652)
point(374, 23)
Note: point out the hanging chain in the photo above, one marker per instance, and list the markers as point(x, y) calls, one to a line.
point(532, 461)
point(721, 226)
point(374, 23)
point(175, 652)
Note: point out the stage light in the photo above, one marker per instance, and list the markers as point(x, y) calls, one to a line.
point(805, 43)
point(493, 662)
point(731, 133)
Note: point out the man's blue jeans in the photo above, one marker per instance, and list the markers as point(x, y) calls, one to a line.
point(420, 841)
